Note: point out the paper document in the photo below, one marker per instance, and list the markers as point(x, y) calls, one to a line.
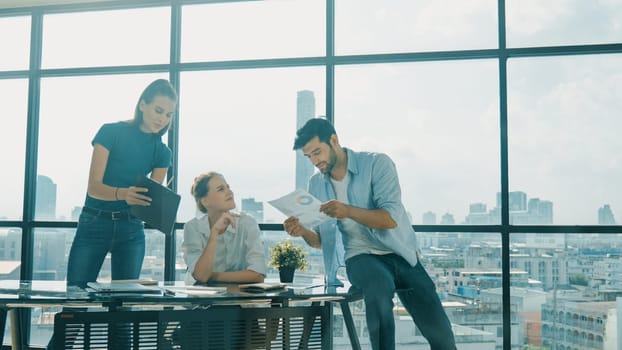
point(302, 205)
point(196, 290)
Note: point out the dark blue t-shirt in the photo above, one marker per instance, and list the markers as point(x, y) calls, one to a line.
point(132, 154)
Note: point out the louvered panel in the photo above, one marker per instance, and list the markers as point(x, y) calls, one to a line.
point(214, 328)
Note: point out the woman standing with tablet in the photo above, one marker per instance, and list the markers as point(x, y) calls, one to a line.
point(122, 152)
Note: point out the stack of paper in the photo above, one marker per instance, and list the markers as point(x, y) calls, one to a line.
point(196, 290)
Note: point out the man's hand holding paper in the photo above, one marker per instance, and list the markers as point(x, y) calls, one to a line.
point(335, 209)
point(302, 205)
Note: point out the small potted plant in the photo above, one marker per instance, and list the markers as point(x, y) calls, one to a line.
point(287, 258)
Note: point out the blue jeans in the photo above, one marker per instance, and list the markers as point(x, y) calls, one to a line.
point(98, 235)
point(379, 277)
point(95, 237)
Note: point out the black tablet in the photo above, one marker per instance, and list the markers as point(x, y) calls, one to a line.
point(162, 212)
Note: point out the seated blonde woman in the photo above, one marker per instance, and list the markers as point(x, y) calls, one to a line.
point(221, 246)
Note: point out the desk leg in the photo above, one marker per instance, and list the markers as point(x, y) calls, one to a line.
point(3, 315)
point(327, 327)
point(16, 329)
point(308, 323)
point(347, 318)
point(286, 338)
point(272, 329)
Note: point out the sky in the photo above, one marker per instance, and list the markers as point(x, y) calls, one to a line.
point(439, 121)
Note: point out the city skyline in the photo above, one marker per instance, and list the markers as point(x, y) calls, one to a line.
point(304, 107)
point(523, 209)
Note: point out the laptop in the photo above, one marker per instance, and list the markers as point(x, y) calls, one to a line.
point(122, 287)
point(162, 212)
point(262, 287)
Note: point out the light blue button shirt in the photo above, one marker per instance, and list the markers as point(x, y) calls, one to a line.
point(237, 249)
point(374, 184)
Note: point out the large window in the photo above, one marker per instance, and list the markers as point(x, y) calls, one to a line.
point(15, 47)
point(253, 30)
point(431, 118)
point(362, 26)
point(14, 94)
point(233, 125)
point(563, 22)
point(106, 38)
point(563, 116)
point(502, 126)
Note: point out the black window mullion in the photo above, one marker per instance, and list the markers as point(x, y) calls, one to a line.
point(30, 173)
point(170, 246)
point(32, 143)
point(505, 210)
point(330, 61)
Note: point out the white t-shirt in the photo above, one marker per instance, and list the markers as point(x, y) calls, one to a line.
point(355, 240)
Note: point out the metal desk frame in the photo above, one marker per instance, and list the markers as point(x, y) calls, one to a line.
point(14, 302)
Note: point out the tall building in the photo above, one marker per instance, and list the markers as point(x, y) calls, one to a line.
point(51, 263)
point(478, 215)
point(305, 110)
point(429, 218)
point(447, 219)
point(540, 211)
point(579, 324)
point(605, 216)
point(75, 213)
point(517, 201)
point(253, 208)
point(45, 204)
point(477, 208)
point(522, 212)
point(10, 244)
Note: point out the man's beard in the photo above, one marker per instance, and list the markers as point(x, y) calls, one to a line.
point(332, 161)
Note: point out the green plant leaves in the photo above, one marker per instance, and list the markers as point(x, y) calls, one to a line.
point(286, 254)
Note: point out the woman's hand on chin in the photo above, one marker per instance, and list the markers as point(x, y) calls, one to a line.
point(224, 221)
